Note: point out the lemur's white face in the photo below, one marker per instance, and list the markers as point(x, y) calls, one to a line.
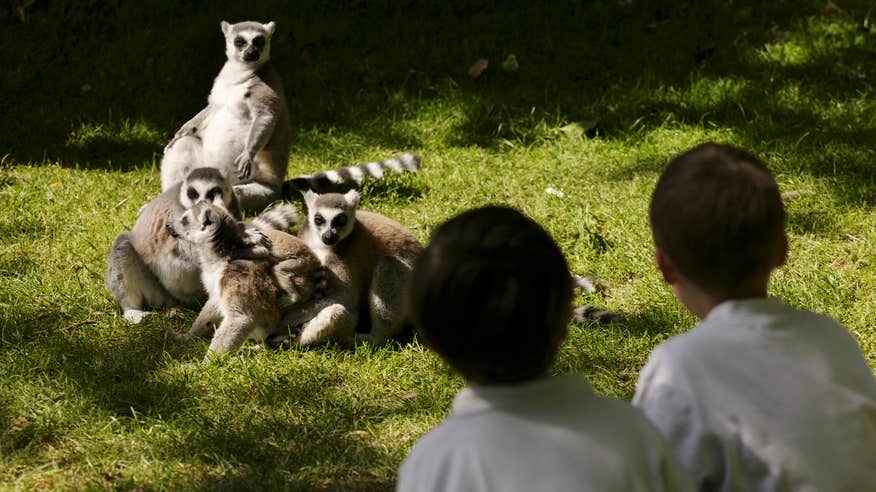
point(248, 43)
point(198, 224)
point(210, 190)
point(331, 216)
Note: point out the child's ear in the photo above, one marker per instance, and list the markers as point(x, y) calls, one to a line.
point(667, 269)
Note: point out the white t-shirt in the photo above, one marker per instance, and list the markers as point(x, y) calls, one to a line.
point(552, 434)
point(760, 396)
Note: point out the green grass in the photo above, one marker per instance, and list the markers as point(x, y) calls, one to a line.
point(606, 93)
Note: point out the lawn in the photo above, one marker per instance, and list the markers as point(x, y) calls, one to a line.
point(605, 92)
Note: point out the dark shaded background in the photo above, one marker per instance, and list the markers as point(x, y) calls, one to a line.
point(69, 63)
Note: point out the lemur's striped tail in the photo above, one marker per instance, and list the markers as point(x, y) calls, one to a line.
point(279, 217)
point(351, 176)
point(587, 313)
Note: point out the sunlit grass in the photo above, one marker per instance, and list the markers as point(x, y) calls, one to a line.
point(88, 402)
point(816, 38)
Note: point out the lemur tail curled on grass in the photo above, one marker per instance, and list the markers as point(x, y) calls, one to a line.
point(368, 259)
point(249, 295)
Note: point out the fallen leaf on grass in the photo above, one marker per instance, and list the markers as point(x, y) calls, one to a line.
point(794, 194)
point(555, 192)
point(19, 424)
point(577, 128)
point(478, 68)
point(77, 324)
point(20, 10)
point(830, 8)
point(510, 63)
point(778, 36)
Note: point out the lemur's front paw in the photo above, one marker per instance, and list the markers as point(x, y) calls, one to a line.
point(320, 282)
point(244, 164)
point(258, 242)
point(313, 282)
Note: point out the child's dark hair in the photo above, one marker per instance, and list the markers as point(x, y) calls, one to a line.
point(492, 296)
point(717, 213)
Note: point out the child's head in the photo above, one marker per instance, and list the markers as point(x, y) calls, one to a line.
point(492, 296)
point(717, 215)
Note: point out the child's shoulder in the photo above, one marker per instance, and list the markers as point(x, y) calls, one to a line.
point(753, 330)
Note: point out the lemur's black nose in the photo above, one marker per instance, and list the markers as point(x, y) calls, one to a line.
point(251, 54)
point(329, 238)
point(171, 230)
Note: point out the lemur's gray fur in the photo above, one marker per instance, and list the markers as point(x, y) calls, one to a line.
point(149, 268)
point(248, 295)
point(368, 258)
point(348, 177)
point(244, 130)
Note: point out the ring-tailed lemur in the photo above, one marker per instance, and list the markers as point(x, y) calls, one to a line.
point(347, 177)
point(244, 131)
point(247, 295)
point(368, 258)
point(148, 268)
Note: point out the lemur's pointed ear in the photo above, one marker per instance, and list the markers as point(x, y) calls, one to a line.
point(309, 198)
point(352, 197)
point(226, 27)
point(269, 28)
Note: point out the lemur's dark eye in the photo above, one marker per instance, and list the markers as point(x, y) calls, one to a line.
point(239, 42)
point(318, 220)
point(340, 221)
point(258, 41)
point(184, 221)
point(192, 194)
point(211, 195)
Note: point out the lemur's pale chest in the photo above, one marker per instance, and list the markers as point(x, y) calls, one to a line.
point(229, 113)
point(211, 277)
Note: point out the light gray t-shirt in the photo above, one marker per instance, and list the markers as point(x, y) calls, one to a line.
point(552, 434)
point(760, 396)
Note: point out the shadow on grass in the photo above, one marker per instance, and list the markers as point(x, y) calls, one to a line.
point(113, 153)
point(268, 453)
point(612, 355)
point(643, 323)
point(367, 69)
point(113, 371)
point(22, 228)
point(303, 419)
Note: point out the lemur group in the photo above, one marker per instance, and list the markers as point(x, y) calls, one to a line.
point(340, 278)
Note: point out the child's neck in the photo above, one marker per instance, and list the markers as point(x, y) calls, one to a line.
point(700, 303)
